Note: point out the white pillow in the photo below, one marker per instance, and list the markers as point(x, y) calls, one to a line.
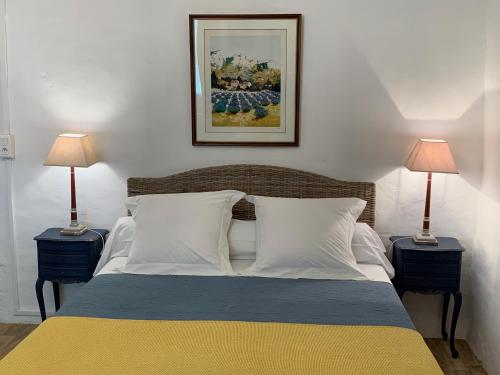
point(366, 244)
point(119, 241)
point(306, 238)
point(241, 239)
point(368, 248)
point(183, 234)
point(133, 202)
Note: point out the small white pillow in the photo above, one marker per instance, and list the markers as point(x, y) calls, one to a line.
point(119, 241)
point(306, 238)
point(133, 202)
point(241, 239)
point(368, 248)
point(182, 234)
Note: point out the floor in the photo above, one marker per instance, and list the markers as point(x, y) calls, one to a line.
point(13, 334)
point(466, 364)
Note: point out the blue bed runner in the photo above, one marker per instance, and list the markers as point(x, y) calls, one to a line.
point(251, 299)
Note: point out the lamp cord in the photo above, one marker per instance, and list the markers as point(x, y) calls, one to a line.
point(100, 235)
point(393, 242)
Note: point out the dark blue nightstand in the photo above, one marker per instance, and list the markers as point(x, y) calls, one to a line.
point(66, 260)
point(431, 269)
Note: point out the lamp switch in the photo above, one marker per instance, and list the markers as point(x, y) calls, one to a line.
point(7, 146)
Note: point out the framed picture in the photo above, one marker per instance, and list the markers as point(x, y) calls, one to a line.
point(245, 85)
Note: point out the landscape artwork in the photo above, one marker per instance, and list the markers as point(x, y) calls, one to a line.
point(245, 72)
point(245, 81)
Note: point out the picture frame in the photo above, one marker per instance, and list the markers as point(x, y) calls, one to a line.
point(245, 79)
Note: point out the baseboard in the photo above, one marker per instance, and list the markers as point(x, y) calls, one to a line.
point(27, 313)
point(26, 316)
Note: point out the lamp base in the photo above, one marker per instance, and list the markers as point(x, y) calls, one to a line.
point(76, 230)
point(424, 239)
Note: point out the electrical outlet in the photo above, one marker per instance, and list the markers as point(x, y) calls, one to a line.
point(7, 146)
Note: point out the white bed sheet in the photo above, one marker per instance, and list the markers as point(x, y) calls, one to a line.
point(374, 272)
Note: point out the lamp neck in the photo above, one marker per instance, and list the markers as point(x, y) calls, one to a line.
point(427, 212)
point(74, 215)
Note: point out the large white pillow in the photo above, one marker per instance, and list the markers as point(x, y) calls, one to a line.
point(182, 234)
point(241, 239)
point(306, 238)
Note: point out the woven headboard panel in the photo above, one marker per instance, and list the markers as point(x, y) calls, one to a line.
point(258, 180)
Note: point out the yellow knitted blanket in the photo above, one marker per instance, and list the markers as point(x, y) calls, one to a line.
point(74, 346)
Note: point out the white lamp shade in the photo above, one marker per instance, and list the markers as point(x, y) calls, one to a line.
point(431, 155)
point(72, 150)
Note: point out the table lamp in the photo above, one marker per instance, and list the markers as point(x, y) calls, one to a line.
point(431, 156)
point(72, 150)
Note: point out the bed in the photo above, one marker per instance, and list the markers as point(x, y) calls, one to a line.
point(180, 324)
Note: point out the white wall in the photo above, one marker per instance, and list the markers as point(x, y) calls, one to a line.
point(5, 214)
point(485, 337)
point(376, 76)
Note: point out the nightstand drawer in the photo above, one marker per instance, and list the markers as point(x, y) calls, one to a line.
point(55, 257)
point(63, 272)
point(430, 282)
point(433, 268)
point(430, 256)
point(63, 246)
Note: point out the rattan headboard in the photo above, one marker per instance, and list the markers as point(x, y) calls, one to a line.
point(258, 180)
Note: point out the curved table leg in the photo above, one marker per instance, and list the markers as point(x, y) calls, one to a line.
point(55, 288)
point(39, 297)
point(456, 311)
point(446, 304)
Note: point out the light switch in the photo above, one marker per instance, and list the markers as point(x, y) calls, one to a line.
point(7, 146)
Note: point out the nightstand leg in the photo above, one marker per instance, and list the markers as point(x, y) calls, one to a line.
point(446, 304)
point(456, 311)
point(57, 301)
point(39, 297)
